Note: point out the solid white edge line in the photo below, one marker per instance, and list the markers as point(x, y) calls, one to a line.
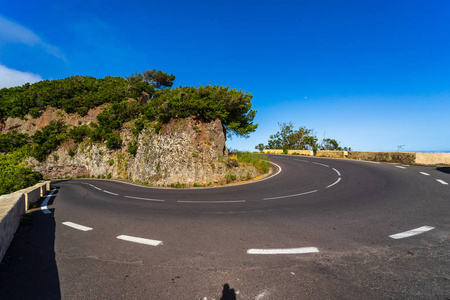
point(304, 250)
point(44, 204)
point(423, 173)
point(288, 196)
point(412, 232)
point(337, 171)
point(146, 199)
point(442, 181)
point(139, 240)
point(321, 164)
point(77, 226)
point(110, 193)
point(339, 179)
point(207, 202)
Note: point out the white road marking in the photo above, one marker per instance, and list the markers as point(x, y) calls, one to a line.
point(321, 164)
point(207, 202)
point(442, 181)
point(400, 167)
point(337, 171)
point(423, 173)
point(262, 295)
point(77, 226)
point(411, 232)
point(284, 251)
point(288, 196)
point(95, 187)
point(339, 179)
point(44, 204)
point(301, 160)
point(146, 199)
point(110, 193)
point(139, 240)
point(368, 161)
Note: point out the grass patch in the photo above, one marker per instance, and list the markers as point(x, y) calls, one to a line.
point(260, 162)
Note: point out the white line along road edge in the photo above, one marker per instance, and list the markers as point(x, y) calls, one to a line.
point(139, 240)
point(303, 250)
point(412, 232)
point(77, 226)
point(44, 204)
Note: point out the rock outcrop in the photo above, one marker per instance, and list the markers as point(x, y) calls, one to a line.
point(185, 152)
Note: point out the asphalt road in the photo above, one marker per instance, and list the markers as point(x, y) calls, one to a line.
point(318, 229)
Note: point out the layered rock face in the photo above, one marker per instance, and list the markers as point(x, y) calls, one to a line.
point(184, 152)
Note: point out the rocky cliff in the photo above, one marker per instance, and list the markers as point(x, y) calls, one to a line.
point(184, 152)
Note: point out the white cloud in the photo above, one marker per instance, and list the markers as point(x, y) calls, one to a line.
point(15, 33)
point(10, 77)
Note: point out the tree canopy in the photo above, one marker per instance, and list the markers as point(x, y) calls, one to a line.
point(289, 138)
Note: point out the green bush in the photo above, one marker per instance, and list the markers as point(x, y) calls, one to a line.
point(14, 174)
point(79, 133)
point(13, 141)
point(132, 148)
point(49, 139)
point(113, 141)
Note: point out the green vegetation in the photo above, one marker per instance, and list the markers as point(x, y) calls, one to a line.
point(12, 141)
point(260, 162)
point(76, 94)
point(14, 174)
point(79, 94)
point(288, 138)
point(49, 139)
point(145, 99)
point(232, 107)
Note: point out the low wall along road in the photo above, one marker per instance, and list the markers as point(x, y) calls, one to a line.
point(12, 207)
point(406, 158)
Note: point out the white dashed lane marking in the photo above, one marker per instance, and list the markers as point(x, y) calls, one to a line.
point(303, 250)
point(108, 192)
point(95, 187)
point(301, 160)
point(337, 171)
point(321, 164)
point(337, 181)
point(146, 199)
point(423, 173)
point(412, 232)
point(400, 167)
point(77, 226)
point(288, 196)
point(139, 240)
point(442, 181)
point(208, 202)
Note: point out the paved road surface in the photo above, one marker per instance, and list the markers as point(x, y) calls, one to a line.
point(320, 229)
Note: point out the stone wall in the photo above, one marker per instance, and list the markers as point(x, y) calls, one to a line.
point(12, 207)
point(431, 159)
point(332, 154)
point(406, 158)
point(290, 152)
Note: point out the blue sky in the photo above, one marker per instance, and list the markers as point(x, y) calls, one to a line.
point(371, 74)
